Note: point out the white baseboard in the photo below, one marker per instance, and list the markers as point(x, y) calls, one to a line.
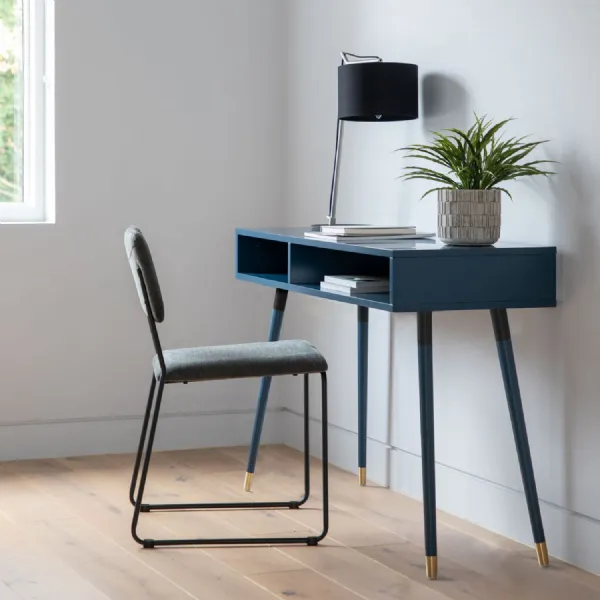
point(343, 446)
point(572, 537)
point(103, 435)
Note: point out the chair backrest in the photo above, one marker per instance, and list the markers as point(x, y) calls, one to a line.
point(144, 274)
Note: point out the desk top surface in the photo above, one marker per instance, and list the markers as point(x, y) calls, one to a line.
point(392, 248)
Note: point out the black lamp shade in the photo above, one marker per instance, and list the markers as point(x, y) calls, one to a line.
point(378, 91)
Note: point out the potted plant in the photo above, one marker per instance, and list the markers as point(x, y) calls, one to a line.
point(471, 166)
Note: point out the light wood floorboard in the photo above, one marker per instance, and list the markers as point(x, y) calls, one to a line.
point(64, 526)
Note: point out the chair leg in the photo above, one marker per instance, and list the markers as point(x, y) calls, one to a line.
point(306, 442)
point(138, 458)
point(324, 457)
point(146, 466)
point(265, 386)
point(517, 417)
point(309, 540)
point(424, 328)
point(363, 374)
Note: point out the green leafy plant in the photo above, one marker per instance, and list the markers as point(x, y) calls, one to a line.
point(477, 159)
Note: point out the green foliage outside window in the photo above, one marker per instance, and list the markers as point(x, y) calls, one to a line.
point(11, 101)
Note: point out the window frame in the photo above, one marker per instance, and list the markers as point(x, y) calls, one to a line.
point(38, 183)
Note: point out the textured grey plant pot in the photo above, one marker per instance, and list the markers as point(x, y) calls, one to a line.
point(469, 217)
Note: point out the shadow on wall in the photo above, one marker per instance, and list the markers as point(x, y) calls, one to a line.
point(445, 103)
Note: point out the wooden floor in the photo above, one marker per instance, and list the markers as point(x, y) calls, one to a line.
point(64, 535)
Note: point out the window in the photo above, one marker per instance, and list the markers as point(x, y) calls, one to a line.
point(26, 111)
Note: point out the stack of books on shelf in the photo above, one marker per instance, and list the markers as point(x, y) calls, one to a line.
point(355, 285)
point(365, 234)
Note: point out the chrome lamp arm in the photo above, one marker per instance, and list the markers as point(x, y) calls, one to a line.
point(347, 59)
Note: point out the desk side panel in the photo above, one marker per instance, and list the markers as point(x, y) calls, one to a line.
point(473, 282)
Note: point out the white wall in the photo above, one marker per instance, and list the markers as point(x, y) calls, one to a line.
point(534, 60)
point(168, 116)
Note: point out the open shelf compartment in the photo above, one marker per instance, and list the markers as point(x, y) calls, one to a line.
point(310, 264)
point(264, 259)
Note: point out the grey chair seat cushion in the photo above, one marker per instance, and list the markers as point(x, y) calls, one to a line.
point(261, 359)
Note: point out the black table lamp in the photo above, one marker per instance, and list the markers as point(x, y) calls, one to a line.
point(374, 91)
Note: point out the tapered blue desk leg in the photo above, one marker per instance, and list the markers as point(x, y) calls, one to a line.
point(265, 385)
point(363, 374)
point(424, 333)
point(517, 417)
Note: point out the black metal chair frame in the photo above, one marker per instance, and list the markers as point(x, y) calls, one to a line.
point(144, 454)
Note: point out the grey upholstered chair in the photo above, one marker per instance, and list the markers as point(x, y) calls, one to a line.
point(264, 359)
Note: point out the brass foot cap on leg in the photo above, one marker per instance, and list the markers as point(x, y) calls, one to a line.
point(431, 567)
point(542, 554)
point(362, 476)
point(248, 482)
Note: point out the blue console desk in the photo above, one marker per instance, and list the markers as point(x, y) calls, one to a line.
point(425, 277)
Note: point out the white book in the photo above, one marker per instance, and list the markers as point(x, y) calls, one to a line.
point(366, 230)
point(358, 239)
point(346, 291)
point(357, 281)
